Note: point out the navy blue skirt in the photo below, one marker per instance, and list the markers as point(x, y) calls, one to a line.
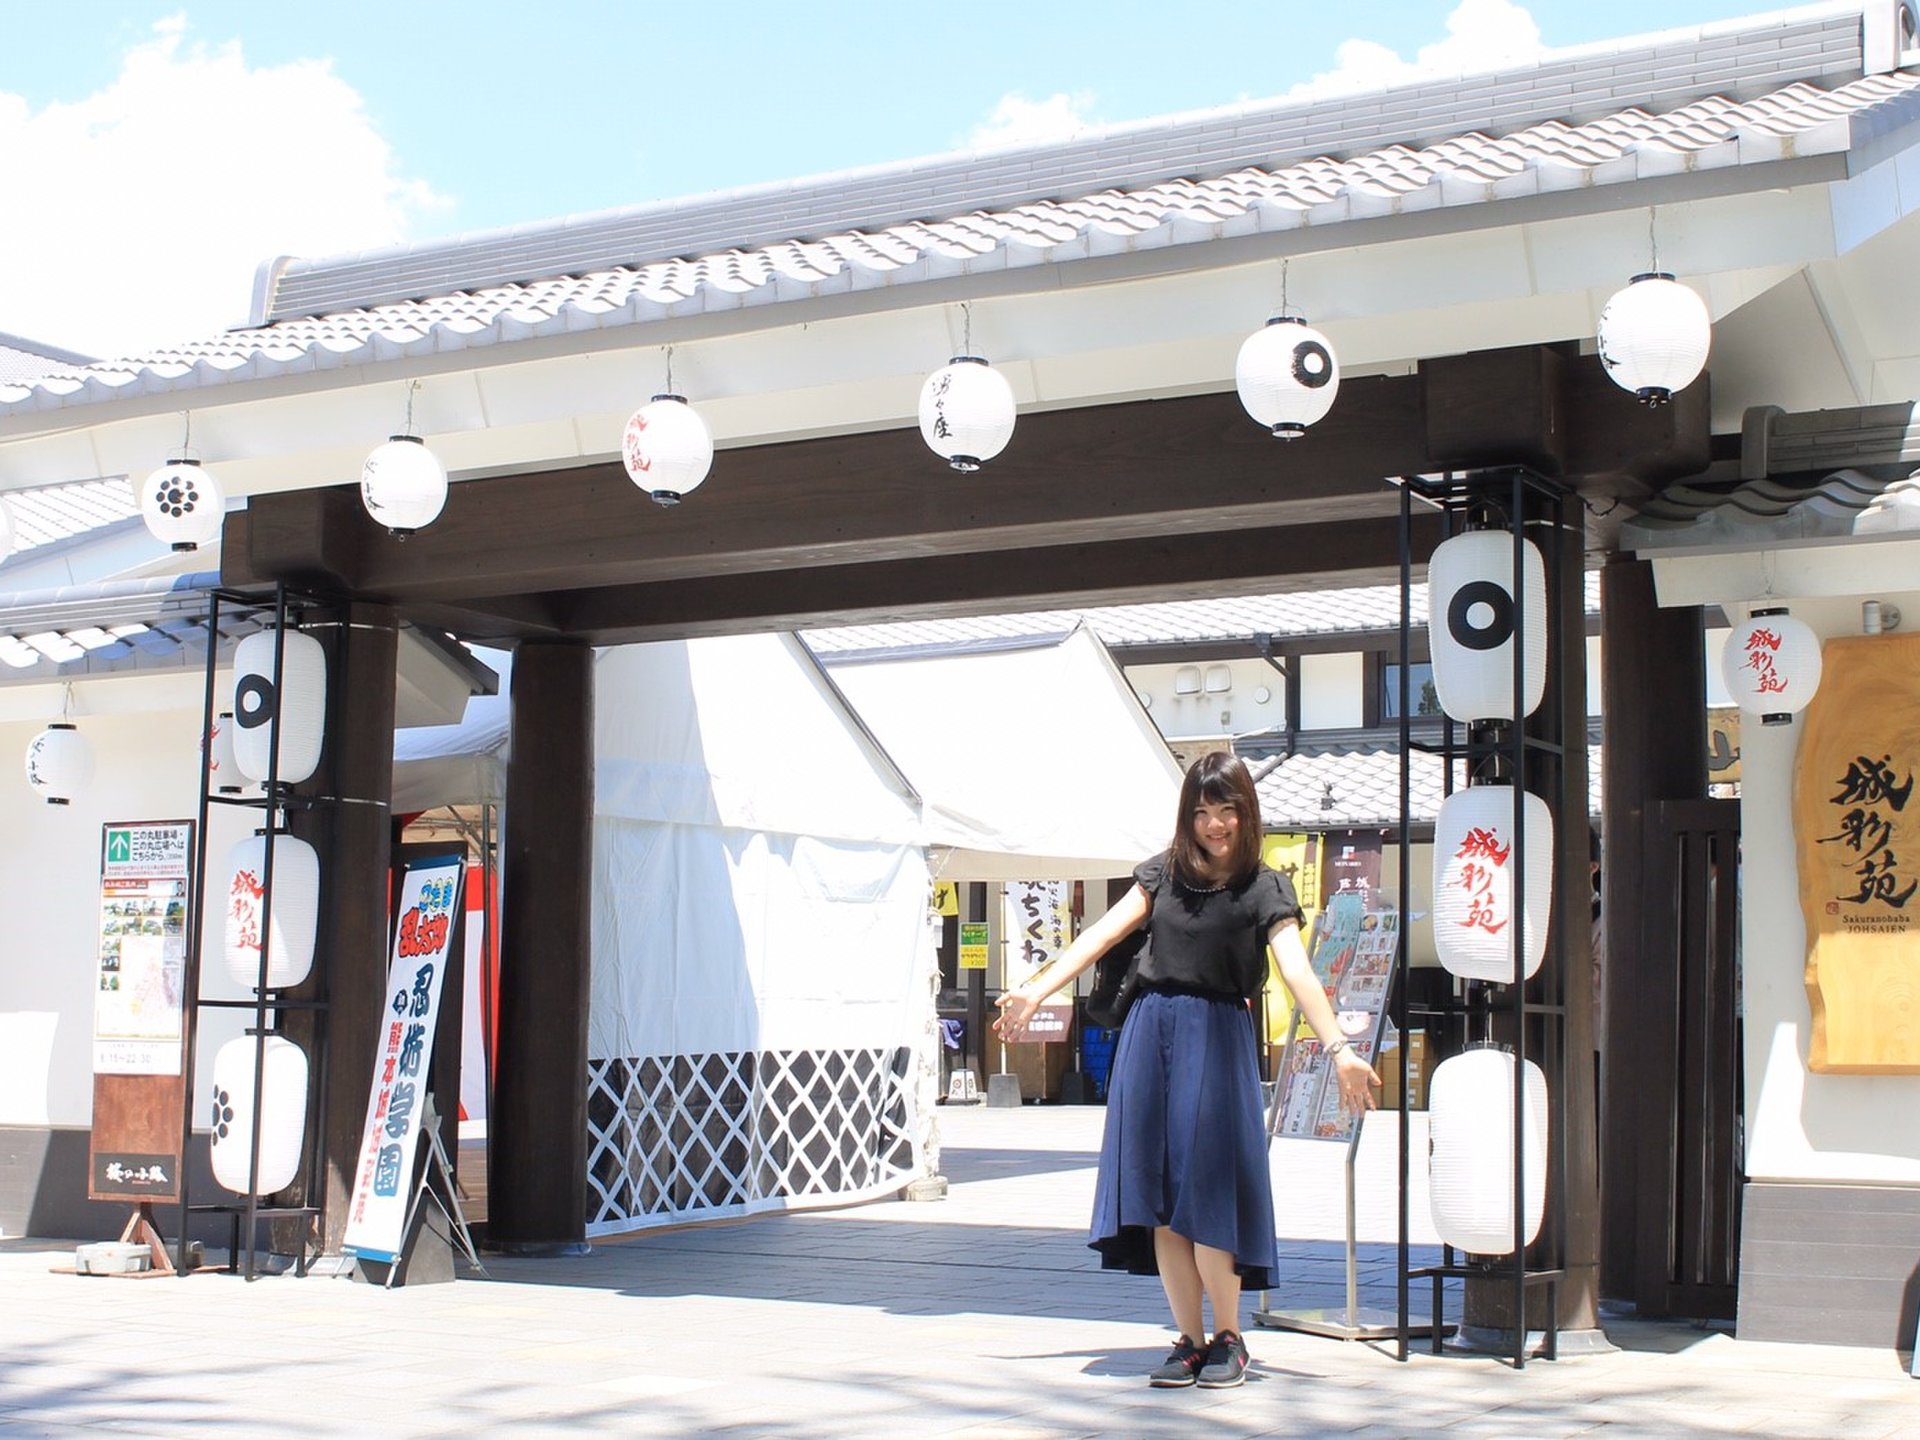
point(1186, 1143)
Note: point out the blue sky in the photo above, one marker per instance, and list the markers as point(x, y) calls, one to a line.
point(200, 138)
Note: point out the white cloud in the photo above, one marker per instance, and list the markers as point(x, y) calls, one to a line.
point(1017, 120)
point(1481, 35)
point(137, 216)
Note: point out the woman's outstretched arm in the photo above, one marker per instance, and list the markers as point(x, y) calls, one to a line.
point(1018, 1004)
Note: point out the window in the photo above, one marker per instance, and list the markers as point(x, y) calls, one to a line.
point(1424, 699)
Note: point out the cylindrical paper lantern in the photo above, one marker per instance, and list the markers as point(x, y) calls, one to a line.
point(59, 763)
point(223, 766)
point(300, 703)
point(966, 412)
point(296, 910)
point(1474, 859)
point(182, 504)
point(403, 485)
point(1287, 375)
point(1771, 666)
point(283, 1110)
point(1472, 615)
point(1654, 337)
point(1470, 1175)
point(667, 449)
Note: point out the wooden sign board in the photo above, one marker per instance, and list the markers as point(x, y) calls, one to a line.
point(1856, 819)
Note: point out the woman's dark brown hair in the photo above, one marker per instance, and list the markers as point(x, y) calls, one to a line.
point(1216, 778)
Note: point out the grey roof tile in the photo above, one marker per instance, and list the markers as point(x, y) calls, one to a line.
point(56, 513)
point(1358, 787)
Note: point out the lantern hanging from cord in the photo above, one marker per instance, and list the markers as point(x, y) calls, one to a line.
point(295, 910)
point(403, 485)
point(283, 1113)
point(1473, 613)
point(59, 763)
point(296, 709)
point(1771, 665)
point(1654, 337)
point(966, 412)
point(1470, 1129)
point(1475, 855)
point(182, 504)
point(1287, 376)
point(667, 449)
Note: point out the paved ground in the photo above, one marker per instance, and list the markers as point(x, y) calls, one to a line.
point(980, 1316)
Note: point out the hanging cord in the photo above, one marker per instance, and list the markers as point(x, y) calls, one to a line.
point(670, 389)
point(1285, 262)
point(1653, 242)
point(412, 386)
point(966, 327)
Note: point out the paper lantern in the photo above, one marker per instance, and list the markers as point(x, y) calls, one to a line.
point(1771, 666)
point(403, 485)
point(59, 763)
point(1654, 337)
point(300, 704)
point(1474, 859)
point(295, 910)
point(182, 504)
point(667, 449)
point(1470, 1162)
point(223, 766)
point(1471, 620)
point(966, 412)
point(1287, 375)
point(283, 1111)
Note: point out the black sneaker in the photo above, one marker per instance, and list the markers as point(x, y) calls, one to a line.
point(1226, 1362)
point(1181, 1366)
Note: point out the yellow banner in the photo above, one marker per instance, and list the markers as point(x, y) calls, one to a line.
point(946, 898)
point(1297, 858)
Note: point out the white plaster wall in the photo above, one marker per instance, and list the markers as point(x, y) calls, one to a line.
point(1238, 710)
point(1333, 691)
point(145, 768)
point(1859, 1129)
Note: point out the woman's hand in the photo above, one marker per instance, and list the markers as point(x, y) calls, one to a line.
point(1357, 1079)
point(1016, 1013)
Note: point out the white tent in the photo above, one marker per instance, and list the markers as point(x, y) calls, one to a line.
point(1034, 761)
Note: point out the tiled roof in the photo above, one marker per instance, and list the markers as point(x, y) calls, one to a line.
point(55, 513)
point(1760, 512)
point(1546, 151)
point(1358, 787)
point(22, 361)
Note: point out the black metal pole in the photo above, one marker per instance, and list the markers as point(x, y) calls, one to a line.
point(196, 902)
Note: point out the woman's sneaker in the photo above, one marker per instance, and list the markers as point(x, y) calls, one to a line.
point(1181, 1367)
point(1225, 1364)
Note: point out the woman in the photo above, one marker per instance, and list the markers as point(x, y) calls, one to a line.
point(1183, 1189)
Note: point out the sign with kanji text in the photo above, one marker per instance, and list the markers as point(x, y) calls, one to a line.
point(973, 945)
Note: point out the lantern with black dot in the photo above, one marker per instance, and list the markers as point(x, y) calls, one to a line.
point(1470, 1156)
point(59, 763)
point(667, 449)
point(283, 1113)
point(1287, 376)
point(182, 504)
point(1771, 665)
point(1474, 611)
point(295, 910)
point(966, 412)
point(296, 707)
point(403, 485)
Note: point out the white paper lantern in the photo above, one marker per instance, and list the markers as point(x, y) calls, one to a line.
point(667, 449)
point(1654, 337)
point(59, 763)
point(1287, 375)
point(296, 910)
point(283, 1111)
point(1471, 619)
point(223, 766)
point(1470, 1174)
point(301, 704)
point(1474, 860)
point(403, 484)
point(182, 504)
point(1771, 666)
point(966, 412)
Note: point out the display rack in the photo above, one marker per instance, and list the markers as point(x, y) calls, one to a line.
point(1508, 498)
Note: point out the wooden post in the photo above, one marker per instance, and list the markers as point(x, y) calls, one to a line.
point(537, 1130)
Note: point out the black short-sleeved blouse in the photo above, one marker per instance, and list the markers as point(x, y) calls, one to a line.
point(1213, 940)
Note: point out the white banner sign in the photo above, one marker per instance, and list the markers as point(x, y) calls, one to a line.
point(430, 895)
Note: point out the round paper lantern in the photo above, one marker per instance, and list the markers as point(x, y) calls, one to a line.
point(1472, 615)
point(1287, 375)
point(667, 449)
point(1771, 666)
point(1654, 337)
point(1470, 1164)
point(223, 766)
point(1474, 859)
point(966, 412)
point(296, 910)
point(300, 703)
point(283, 1111)
point(403, 485)
point(59, 763)
point(182, 505)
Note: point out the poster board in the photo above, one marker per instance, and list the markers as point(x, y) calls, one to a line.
point(139, 1007)
point(1856, 823)
point(1355, 947)
point(429, 892)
